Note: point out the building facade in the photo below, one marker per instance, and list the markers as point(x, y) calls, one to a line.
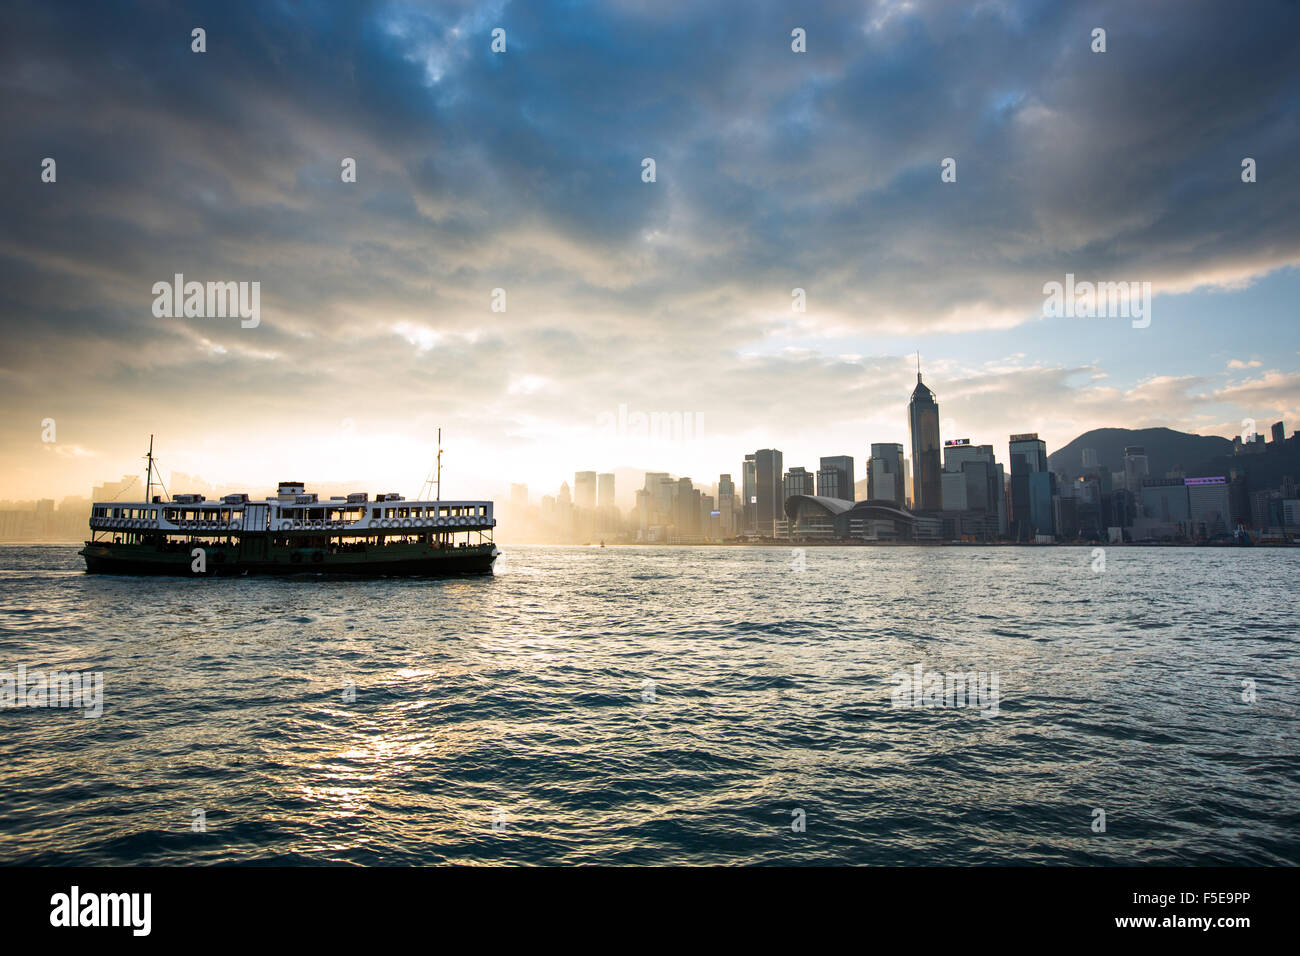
point(835, 477)
point(923, 418)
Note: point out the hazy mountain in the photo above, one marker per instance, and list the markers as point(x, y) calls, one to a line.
point(1166, 449)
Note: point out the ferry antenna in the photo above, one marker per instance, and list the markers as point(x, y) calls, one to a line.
point(148, 474)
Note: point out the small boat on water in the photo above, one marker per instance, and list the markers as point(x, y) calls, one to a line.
point(291, 533)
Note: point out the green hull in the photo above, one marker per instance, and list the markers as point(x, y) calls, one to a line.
point(260, 558)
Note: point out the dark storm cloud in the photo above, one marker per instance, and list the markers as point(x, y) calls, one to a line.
point(522, 171)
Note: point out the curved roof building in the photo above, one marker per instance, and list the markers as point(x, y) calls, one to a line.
point(816, 516)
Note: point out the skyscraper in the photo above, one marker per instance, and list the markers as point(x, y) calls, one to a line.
point(519, 498)
point(727, 506)
point(923, 416)
point(798, 481)
point(768, 501)
point(749, 492)
point(605, 488)
point(584, 489)
point(688, 508)
point(1136, 468)
point(1028, 457)
point(835, 477)
point(973, 482)
point(886, 474)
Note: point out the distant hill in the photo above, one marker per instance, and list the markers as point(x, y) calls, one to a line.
point(1166, 450)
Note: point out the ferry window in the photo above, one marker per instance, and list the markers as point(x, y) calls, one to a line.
point(374, 512)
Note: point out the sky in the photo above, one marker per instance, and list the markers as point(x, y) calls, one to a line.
point(523, 170)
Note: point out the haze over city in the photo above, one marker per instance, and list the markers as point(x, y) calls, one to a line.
point(522, 171)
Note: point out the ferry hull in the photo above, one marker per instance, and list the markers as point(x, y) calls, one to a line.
point(230, 561)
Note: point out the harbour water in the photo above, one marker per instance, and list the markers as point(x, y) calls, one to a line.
point(664, 706)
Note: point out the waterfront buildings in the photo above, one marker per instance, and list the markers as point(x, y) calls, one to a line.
point(973, 485)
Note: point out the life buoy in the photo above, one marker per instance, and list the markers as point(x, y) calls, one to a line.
point(234, 525)
point(406, 522)
point(318, 523)
point(286, 525)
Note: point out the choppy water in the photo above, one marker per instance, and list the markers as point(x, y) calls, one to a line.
point(526, 694)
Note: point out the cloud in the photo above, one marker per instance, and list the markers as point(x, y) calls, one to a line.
point(522, 171)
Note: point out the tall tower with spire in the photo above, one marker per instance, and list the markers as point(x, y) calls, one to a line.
point(923, 416)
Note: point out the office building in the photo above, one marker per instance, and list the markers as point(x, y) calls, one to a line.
point(768, 496)
point(1028, 454)
point(886, 474)
point(726, 507)
point(797, 481)
point(835, 477)
point(584, 489)
point(973, 485)
point(1209, 502)
point(749, 493)
point(923, 418)
point(1137, 468)
point(1166, 500)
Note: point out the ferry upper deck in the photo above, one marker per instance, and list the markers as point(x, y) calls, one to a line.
point(293, 510)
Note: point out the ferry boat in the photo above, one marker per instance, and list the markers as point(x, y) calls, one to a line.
point(291, 533)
